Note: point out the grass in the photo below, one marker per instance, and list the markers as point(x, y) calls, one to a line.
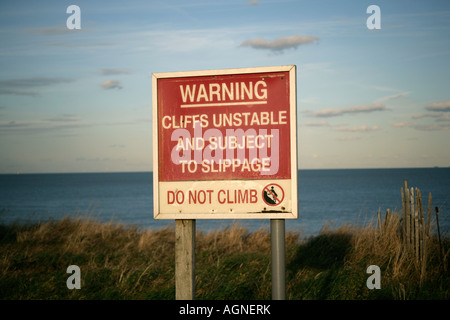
point(123, 262)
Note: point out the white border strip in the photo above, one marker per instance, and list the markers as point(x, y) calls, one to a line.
point(179, 74)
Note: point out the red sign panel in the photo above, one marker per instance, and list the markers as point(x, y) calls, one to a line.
point(224, 127)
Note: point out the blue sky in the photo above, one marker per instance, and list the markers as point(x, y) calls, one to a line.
point(80, 100)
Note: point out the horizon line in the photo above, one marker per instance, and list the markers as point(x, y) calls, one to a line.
point(151, 171)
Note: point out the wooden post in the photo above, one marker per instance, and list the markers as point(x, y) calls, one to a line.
point(411, 200)
point(429, 214)
point(423, 237)
point(387, 218)
point(416, 226)
point(421, 226)
point(439, 235)
point(404, 216)
point(379, 220)
point(407, 216)
point(185, 259)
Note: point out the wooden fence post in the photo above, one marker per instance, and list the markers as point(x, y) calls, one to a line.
point(379, 220)
point(429, 214)
point(407, 217)
point(404, 216)
point(386, 218)
point(439, 235)
point(413, 229)
point(416, 226)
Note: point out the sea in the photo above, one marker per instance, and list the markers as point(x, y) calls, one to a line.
point(327, 198)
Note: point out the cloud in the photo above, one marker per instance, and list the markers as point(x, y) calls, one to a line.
point(431, 127)
point(47, 31)
point(116, 146)
point(425, 127)
point(33, 82)
point(444, 117)
point(23, 86)
point(111, 84)
point(58, 124)
point(78, 44)
point(64, 118)
point(330, 112)
point(380, 88)
point(349, 138)
point(253, 3)
point(439, 106)
point(317, 124)
point(97, 159)
point(400, 124)
point(113, 71)
point(279, 44)
point(51, 125)
point(439, 116)
point(393, 97)
point(426, 115)
point(12, 125)
point(362, 128)
point(309, 100)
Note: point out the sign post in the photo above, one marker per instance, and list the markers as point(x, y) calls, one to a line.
point(185, 259)
point(225, 144)
point(277, 236)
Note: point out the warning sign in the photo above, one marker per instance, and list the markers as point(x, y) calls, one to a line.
point(225, 144)
point(273, 194)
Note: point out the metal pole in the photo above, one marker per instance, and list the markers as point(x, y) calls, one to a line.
point(277, 234)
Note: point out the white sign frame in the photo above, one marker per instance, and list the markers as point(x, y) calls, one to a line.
point(234, 212)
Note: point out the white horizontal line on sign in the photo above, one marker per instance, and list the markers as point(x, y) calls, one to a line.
point(221, 104)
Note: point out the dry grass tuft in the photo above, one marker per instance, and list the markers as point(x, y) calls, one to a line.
point(123, 262)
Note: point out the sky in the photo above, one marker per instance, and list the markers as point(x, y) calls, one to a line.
point(80, 100)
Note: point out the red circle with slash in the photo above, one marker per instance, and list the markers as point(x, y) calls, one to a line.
point(273, 194)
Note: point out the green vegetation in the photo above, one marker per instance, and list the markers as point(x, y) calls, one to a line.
point(120, 262)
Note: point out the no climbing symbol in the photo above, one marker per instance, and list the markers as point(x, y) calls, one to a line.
point(273, 194)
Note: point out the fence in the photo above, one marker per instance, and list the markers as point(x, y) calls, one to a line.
point(417, 240)
point(416, 226)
